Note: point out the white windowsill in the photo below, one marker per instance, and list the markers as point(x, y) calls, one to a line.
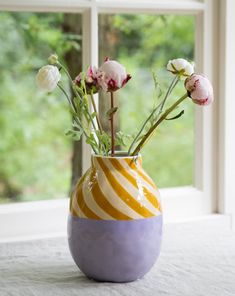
point(33, 219)
point(17, 238)
point(45, 219)
point(40, 218)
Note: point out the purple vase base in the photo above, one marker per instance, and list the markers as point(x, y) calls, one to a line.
point(115, 250)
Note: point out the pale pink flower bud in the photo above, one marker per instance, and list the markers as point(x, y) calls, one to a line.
point(48, 77)
point(90, 79)
point(200, 89)
point(180, 67)
point(112, 76)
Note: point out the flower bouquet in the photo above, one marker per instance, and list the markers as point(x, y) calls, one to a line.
point(115, 220)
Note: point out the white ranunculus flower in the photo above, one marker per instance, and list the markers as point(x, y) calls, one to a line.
point(48, 77)
point(189, 69)
point(180, 66)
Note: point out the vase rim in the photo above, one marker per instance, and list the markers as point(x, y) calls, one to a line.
point(118, 154)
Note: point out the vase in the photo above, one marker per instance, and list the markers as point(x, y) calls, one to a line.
point(115, 220)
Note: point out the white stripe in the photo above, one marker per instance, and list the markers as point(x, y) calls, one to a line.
point(146, 175)
point(134, 173)
point(111, 195)
point(140, 169)
point(137, 193)
point(91, 203)
point(147, 185)
point(153, 190)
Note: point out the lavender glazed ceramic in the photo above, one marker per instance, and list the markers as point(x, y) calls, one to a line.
point(115, 221)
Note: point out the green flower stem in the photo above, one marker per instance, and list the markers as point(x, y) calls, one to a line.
point(142, 128)
point(95, 109)
point(160, 105)
point(76, 93)
point(71, 81)
point(66, 95)
point(87, 113)
point(152, 129)
point(75, 110)
point(169, 91)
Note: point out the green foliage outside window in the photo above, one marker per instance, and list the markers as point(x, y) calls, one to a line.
point(35, 155)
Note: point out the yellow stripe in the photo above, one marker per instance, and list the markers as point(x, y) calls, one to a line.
point(76, 210)
point(146, 178)
point(73, 205)
point(122, 193)
point(73, 210)
point(123, 171)
point(70, 203)
point(81, 202)
point(139, 171)
point(87, 211)
point(101, 200)
point(150, 197)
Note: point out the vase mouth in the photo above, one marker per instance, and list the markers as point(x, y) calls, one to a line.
point(117, 154)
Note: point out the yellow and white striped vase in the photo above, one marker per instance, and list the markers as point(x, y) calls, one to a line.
point(115, 221)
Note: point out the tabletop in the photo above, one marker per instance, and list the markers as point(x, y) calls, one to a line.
point(197, 258)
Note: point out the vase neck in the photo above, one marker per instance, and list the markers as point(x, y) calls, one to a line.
point(116, 163)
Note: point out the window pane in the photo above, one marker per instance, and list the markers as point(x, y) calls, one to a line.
point(34, 152)
point(144, 43)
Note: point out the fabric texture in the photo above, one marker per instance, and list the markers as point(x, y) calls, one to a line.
point(197, 259)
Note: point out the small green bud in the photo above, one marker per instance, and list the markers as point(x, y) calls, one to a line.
point(53, 59)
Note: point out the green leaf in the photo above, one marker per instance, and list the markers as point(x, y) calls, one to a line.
point(74, 134)
point(177, 116)
point(93, 115)
point(77, 135)
point(91, 141)
point(157, 87)
point(123, 139)
point(76, 125)
point(105, 142)
point(111, 111)
point(68, 132)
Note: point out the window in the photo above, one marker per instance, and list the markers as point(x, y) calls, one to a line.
point(200, 195)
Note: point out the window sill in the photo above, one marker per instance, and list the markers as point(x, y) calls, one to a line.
point(29, 220)
point(47, 219)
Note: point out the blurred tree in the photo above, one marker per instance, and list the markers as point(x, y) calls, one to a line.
point(73, 58)
point(108, 46)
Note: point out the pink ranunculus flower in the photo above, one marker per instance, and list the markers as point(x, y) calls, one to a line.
point(90, 78)
point(200, 89)
point(112, 76)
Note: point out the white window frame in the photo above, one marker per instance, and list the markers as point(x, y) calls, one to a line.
point(211, 190)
